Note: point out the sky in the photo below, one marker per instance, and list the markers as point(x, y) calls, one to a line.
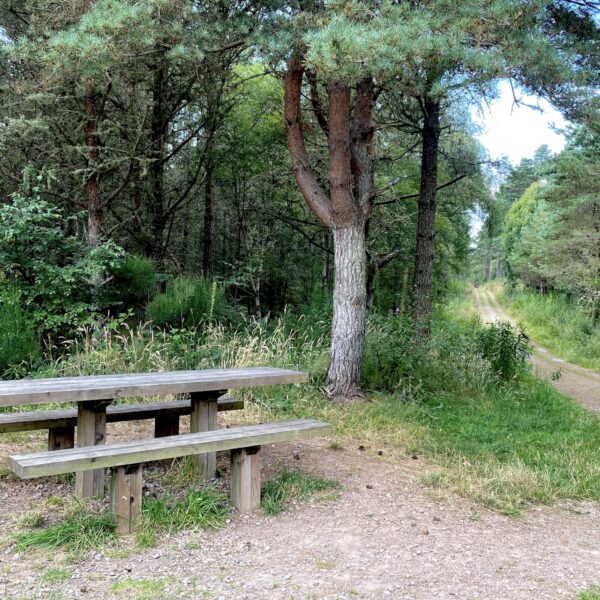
point(517, 131)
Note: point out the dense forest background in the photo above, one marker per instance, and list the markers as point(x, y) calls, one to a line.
point(188, 163)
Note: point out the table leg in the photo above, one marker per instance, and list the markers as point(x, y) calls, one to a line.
point(204, 418)
point(91, 431)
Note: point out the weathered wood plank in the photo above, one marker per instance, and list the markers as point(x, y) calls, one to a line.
point(98, 387)
point(245, 479)
point(63, 418)
point(204, 418)
point(165, 425)
point(126, 497)
point(138, 451)
point(91, 431)
point(60, 438)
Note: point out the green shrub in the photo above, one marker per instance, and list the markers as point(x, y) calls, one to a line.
point(187, 302)
point(56, 271)
point(506, 348)
point(449, 361)
point(134, 282)
point(20, 344)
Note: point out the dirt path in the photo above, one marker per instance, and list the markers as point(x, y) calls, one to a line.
point(385, 536)
point(581, 384)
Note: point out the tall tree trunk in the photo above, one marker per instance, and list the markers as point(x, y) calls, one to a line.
point(208, 227)
point(158, 134)
point(424, 255)
point(349, 312)
point(94, 200)
point(345, 210)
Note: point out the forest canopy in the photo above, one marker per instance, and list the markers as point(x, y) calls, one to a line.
point(189, 162)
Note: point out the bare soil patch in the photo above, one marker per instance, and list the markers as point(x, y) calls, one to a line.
point(384, 536)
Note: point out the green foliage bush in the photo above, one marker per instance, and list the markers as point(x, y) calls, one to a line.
point(460, 355)
point(20, 344)
point(506, 348)
point(188, 302)
point(134, 283)
point(54, 268)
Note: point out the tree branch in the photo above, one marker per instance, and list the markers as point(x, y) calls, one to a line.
point(416, 194)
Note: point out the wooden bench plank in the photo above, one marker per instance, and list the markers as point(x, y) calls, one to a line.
point(99, 387)
point(65, 418)
point(138, 451)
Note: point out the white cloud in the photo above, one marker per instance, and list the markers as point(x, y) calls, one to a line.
point(517, 131)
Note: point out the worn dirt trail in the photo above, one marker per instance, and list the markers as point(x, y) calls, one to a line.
point(385, 536)
point(580, 384)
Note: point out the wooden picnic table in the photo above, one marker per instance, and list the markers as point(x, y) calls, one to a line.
point(93, 393)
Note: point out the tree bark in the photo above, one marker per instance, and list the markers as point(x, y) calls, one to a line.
point(349, 313)
point(424, 254)
point(208, 226)
point(94, 200)
point(345, 209)
point(158, 134)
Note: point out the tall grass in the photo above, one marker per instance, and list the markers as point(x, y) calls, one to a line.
point(20, 344)
point(506, 441)
point(560, 325)
point(188, 301)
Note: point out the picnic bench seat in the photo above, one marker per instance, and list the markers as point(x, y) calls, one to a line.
point(126, 459)
point(61, 423)
point(94, 395)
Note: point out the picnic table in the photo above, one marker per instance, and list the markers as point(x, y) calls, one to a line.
point(94, 393)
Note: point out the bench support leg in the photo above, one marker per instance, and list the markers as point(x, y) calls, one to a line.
point(165, 425)
point(91, 431)
point(60, 438)
point(204, 418)
point(245, 479)
point(126, 497)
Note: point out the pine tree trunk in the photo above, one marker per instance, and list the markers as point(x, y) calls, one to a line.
point(424, 255)
point(208, 227)
point(371, 277)
point(349, 312)
point(158, 134)
point(94, 203)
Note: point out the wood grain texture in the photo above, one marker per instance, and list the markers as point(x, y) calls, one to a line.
point(245, 479)
point(91, 431)
point(126, 497)
point(42, 464)
point(204, 418)
point(67, 417)
point(60, 438)
point(98, 387)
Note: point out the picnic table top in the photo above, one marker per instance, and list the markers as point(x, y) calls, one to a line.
point(103, 387)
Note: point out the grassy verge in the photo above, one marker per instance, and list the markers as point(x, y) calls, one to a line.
point(523, 444)
point(592, 593)
point(557, 324)
point(463, 400)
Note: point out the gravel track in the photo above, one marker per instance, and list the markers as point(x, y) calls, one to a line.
point(572, 380)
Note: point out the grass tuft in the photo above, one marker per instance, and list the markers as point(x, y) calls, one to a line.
point(77, 534)
point(198, 509)
point(278, 492)
point(592, 593)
